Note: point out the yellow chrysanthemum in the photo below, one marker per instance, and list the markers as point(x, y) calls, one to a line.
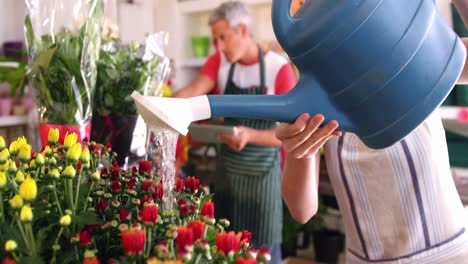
point(2, 143)
point(3, 179)
point(28, 189)
point(85, 156)
point(16, 202)
point(26, 214)
point(4, 155)
point(47, 151)
point(10, 245)
point(53, 136)
point(40, 160)
point(54, 174)
point(74, 152)
point(69, 172)
point(65, 220)
point(14, 148)
point(25, 153)
point(69, 140)
point(19, 177)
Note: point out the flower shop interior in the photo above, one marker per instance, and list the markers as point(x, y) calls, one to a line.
point(71, 66)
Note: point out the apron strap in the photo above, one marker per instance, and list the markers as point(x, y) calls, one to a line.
point(261, 59)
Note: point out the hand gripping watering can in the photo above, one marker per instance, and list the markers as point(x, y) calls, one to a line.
point(379, 67)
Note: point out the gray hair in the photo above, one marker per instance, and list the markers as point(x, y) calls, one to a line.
point(234, 12)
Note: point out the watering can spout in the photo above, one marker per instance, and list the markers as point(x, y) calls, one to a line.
point(281, 19)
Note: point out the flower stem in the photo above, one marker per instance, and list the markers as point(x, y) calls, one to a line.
point(148, 247)
point(54, 258)
point(57, 199)
point(77, 194)
point(197, 260)
point(31, 236)
point(85, 207)
point(2, 216)
point(23, 234)
point(70, 195)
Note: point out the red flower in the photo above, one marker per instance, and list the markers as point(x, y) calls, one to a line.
point(115, 174)
point(124, 214)
point(228, 242)
point(109, 146)
point(8, 261)
point(92, 260)
point(192, 183)
point(158, 192)
point(78, 166)
point(91, 227)
point(183, 209)
point(146, 185)
point(208, 209)
point(264, 255)
point(95, 147)
point(104, 173)
point(116, 186)
point(133, 241)
point(102, 205)
point(146, 199)
point(184, 238)
point(131, 183)
point(198, 228)
point(149, 214)
point(192, 208)
point(246, 237)
point(241, 260)
point(144, 166)
point(179, 184)
point(85, 238)
point(181, 202)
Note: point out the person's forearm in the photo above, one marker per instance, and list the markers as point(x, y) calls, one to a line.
point(463, 79)
point(264, 137)
point(299, 187)
point(462, 8)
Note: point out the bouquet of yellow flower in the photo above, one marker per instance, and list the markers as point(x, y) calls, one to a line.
point(70, 203)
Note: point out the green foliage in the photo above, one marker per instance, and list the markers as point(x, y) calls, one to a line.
point(16, 77)
point(62, 69)
point(120, 72)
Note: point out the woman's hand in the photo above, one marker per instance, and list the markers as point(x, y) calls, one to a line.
point(305, 137)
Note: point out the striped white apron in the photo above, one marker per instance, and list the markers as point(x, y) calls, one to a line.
point(399, 204)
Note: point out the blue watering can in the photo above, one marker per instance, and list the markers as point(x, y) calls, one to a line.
point(378, 67)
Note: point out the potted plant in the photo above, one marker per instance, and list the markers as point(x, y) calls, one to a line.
point(62, 63)
point(12, 72)
point(121, 70)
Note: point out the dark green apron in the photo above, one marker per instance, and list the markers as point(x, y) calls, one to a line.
point(249, 194)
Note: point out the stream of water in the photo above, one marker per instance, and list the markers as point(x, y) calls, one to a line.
point(162, 143)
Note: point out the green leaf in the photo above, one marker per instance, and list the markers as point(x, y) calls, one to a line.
point(85, 219)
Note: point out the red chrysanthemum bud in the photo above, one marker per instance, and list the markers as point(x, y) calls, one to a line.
point(133, 241)
point(102, 205)
point(146, 185)
point(246, 237)
point(179, 184)
point(198, 228)
point(208, 209)
point(93, 260)
point(241, 260)
point(184, 240)
point(115, 174)
point(149, 214)
point(228, 242)
point(183, 210)
point(116, 186)
point(131, 183)
point(124, 214)
point(192, 183)
point(158, 192)
point(144, 166)
point(85, 238)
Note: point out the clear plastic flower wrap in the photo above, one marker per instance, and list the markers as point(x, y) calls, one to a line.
point(63, 42)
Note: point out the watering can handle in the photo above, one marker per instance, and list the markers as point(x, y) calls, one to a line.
point(281, 19)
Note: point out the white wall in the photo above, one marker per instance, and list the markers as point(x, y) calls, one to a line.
point(11, 20)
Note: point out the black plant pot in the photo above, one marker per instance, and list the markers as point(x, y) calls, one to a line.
point(328, 245)
point(116, 130)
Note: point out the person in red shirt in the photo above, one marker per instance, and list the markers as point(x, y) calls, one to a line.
point(249, 168)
